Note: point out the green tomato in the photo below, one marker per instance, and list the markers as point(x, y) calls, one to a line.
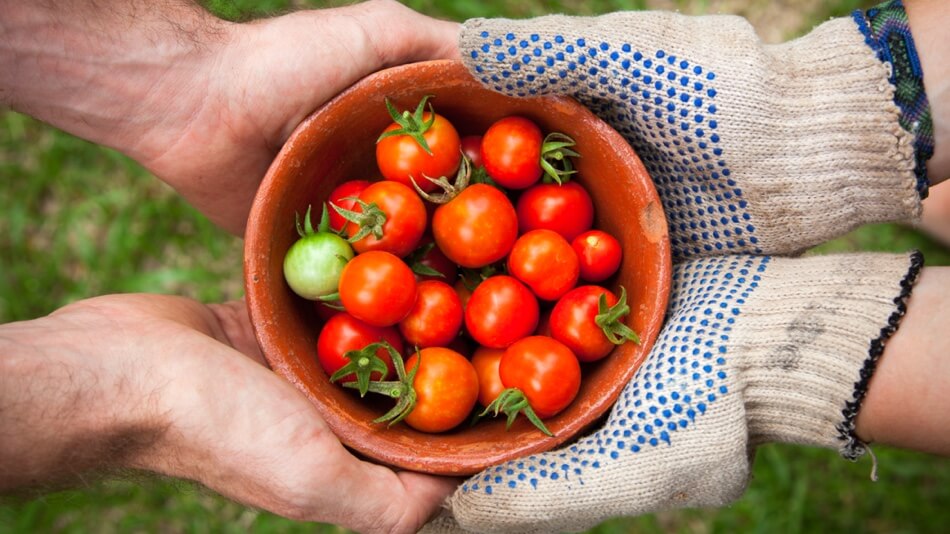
point(314, 262)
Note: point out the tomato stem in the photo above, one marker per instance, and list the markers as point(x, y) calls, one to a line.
point(472, 277)
point(556, 154)
point(511, 402)
point(449, 189)
point(370, 220)
point(363, 363)
point(414, 125)
point(332, 298)
point(307, 228)
point(400, 389)
point(414, 260)
point(610, 319)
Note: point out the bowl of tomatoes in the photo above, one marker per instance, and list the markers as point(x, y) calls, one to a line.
point(412, 271)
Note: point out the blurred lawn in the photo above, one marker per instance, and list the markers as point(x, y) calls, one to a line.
point(79, 220)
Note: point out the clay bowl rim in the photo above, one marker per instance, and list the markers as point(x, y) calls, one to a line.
point(274, 310)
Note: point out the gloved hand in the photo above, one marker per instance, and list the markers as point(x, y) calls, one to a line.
point(762, 149)
point(756, 349)
point(755, 150)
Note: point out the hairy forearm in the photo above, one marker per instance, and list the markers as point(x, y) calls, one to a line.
point(104, 70)
point(64, 411)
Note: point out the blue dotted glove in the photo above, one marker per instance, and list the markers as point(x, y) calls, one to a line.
point(763, 149)
point(755, 150)
point(756, 349)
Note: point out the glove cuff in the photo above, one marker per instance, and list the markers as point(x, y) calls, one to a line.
point(812, 342)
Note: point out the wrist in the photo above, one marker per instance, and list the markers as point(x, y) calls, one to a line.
point(928, 21)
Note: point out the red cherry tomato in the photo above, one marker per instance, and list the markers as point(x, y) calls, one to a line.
point(573, 322)
point(402, 159)
point(378, 288)
point(567, 209)
point(436, 317)
point(405, 215)
point(477, 227)
point(599, 254)
point(545, 370)
point(501, 311)
point(446, 388)
point(344, 196)
point(486, 360)
point(343, 333)
point(511, 152)
point(545, 262)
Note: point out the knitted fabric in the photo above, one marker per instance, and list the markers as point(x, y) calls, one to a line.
point(754, 148)
point(887, 32)
point(755, 350)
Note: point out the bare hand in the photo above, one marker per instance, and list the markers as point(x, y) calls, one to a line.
point(168, 385)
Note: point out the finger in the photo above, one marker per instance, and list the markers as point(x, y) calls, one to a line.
point(400, 35)
point(377, 498)
point(431, 490)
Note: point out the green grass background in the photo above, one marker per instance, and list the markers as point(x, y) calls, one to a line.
point(78, 220)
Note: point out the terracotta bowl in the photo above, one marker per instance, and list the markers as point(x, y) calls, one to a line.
point(336, 144)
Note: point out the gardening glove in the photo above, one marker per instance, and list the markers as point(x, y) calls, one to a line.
point(754, 148)
point(756, 349)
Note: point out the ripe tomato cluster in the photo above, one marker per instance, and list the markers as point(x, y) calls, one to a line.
point(470, 273)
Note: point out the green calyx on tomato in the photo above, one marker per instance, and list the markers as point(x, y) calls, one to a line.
point(609, 319)
point(363, 363)
point(556, 154)
point(511, 402)
point(480, 176)
point(400, 389)
point(370, 220)
point(307, 228)
point(449, 189)
point(414, 260)
point(411, 124)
